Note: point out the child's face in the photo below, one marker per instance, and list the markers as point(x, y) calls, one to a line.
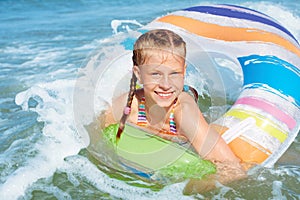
point(162, 76)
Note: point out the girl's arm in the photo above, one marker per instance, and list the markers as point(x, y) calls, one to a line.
point(210, 145)
point(206, 141)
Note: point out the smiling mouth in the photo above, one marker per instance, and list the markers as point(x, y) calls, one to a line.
point(164, 94)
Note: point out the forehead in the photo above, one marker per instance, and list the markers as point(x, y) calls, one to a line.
point(164, 58)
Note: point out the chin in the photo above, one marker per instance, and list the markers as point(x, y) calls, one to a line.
point(164, 105)
point(164, 102)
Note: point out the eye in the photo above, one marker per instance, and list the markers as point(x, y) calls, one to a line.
point(175, 74)
point(155, 75)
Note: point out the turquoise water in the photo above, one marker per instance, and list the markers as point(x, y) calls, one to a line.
point(43, 47)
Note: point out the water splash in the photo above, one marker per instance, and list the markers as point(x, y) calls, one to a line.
point(127, 25)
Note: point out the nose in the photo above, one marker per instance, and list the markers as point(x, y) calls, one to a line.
point(165, 83)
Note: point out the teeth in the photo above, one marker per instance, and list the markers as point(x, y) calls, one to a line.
point(164, 94)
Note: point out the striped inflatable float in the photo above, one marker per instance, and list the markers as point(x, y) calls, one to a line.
point(265, 118)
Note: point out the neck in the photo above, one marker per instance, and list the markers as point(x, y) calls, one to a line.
point(156, 114)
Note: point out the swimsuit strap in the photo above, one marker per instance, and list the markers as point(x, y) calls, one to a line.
point(172, 122)
point(142, 119)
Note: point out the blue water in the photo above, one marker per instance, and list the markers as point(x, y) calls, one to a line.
point(43, 46)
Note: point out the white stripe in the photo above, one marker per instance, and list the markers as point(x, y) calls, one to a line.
point(235, 132)
point(234, 22)
point(281, 126)
point(284, 103)
point(251, 132)
point(245, 11)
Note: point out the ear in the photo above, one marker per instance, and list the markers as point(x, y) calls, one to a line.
point(136, 71)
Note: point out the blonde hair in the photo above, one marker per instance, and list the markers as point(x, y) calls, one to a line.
point(159, 39)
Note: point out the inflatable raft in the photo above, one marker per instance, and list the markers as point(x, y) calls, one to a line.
point(265, 118)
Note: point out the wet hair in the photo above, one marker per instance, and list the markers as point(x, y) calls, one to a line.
point(159, 39)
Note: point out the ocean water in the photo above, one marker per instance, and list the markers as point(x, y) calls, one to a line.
point(44, 46)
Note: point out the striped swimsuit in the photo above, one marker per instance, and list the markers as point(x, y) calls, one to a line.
point(142, 119)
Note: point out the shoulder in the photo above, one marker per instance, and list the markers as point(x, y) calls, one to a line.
point(188, 117)
point(186, 101)
point(186, 107)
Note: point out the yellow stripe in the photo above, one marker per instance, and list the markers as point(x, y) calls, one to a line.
point(261, 122)
point(228, 33)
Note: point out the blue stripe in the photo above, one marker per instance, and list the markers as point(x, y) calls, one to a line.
point(235, 6)
point(138, 172)
point(274, 72)
point(239, 15)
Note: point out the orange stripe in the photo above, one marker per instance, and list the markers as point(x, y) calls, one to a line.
point(243, 150)
point(227, 33)
point(246, 152)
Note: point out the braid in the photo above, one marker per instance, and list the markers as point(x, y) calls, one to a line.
point(128, 105)
point(132, 90)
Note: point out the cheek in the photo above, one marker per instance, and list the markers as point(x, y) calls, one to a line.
point(146, 80)
point(179, 83)
point(148, 86)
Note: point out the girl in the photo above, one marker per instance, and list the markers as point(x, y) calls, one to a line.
point(163, 104)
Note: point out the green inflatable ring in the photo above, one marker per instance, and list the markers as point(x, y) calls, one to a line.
point(154, 158)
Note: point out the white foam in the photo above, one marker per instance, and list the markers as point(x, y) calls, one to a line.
point(60, 138)
point(116, 24)
point(119, 188)
point(277, 186)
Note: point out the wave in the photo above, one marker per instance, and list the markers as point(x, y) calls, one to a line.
point(49, 150)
